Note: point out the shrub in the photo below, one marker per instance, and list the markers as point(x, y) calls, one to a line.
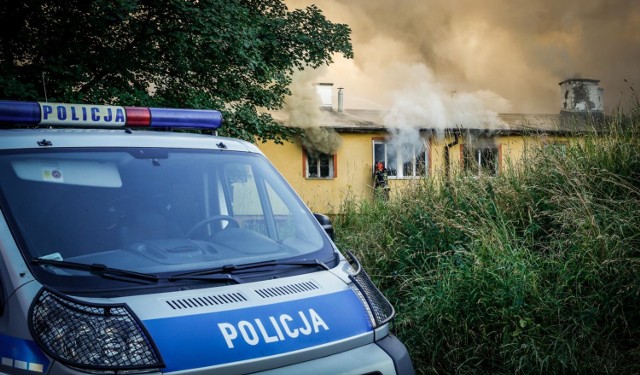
point(536, 270)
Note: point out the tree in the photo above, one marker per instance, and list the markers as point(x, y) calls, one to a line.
point(233, 55)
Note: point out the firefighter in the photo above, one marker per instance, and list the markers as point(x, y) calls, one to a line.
point(380, 182)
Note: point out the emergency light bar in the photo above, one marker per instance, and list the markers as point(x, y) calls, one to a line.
point(105, 116)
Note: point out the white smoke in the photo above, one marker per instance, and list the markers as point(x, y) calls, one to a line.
point(303, 109)
point(420, 102)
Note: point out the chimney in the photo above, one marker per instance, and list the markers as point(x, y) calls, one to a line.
point(340, 99)
point(325, 92)
point(581, 95)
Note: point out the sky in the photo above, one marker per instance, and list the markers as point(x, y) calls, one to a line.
point(446, 61)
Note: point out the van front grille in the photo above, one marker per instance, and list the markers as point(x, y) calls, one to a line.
point(205, 301)
point(285, 290)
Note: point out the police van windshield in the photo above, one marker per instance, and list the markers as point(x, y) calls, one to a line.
point(154, 210)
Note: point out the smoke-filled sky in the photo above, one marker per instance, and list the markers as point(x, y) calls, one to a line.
point(496, 55)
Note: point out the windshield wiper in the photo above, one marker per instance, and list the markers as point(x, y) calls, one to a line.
point(222, 277)
point(100, 270)
point(226, 272)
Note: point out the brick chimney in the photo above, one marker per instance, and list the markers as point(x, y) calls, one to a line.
point(581, 95)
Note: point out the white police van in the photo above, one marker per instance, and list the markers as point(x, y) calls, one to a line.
point(152, 252)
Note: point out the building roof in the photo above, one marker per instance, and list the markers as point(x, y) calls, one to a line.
point(364, 121)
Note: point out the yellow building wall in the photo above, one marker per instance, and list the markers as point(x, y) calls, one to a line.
point(353, 171)
point(516, 148)
point(354, 168)
point(512, 151)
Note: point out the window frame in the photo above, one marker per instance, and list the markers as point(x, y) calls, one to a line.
point(306, 166)
point(397, 172)
point(559, 147)
point(479, 159)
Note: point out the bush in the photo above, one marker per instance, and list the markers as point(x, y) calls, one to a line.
point(536, 270)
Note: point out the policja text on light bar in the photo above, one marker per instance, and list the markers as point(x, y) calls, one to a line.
point(90, 115)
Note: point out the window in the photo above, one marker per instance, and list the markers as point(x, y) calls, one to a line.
point(320, 166)
point(556, 148)
point(405, 160)
point(480, 159)
point(247, 201)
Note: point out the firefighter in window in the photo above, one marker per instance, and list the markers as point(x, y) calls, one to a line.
point(380, 182)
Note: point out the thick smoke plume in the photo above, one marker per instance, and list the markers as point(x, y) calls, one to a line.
point(515, 52)
point(422, 102)
point(303, 109)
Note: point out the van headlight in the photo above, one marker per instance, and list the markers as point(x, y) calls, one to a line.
point(378, 307)
point(91, 336)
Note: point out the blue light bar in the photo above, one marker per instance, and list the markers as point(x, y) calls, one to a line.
point(185, 118)
point(19, 112)
point(105, 116)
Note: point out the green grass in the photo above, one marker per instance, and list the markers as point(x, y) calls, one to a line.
point(534, 271)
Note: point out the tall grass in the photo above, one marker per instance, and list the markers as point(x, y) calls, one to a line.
point(536, 270)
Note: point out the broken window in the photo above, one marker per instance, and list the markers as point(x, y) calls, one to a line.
point(480, 159)
point(401, 160)
point(320, 166)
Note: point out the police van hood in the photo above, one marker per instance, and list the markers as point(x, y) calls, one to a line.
point(73, 138)
point(256, 324)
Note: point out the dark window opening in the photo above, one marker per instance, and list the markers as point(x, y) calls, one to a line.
point(481, 160)
point(320, 166)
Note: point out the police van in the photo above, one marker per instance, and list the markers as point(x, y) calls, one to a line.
point(130, 251)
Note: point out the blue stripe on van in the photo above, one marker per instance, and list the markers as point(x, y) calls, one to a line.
point(216, 338)
point(17, 353)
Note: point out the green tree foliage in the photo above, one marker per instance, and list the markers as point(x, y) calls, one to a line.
point(233, 55)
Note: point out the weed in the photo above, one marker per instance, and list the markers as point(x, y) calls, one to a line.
point(536, 270)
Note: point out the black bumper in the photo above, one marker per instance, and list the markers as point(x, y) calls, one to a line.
point(398, 352)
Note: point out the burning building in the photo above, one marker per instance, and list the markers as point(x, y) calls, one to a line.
point(340, 147)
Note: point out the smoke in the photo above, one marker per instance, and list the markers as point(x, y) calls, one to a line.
point(422, 102)
point(503, 50)
point(303, 108)
point(321, 141)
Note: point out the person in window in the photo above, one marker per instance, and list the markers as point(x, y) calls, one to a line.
point(380, 181)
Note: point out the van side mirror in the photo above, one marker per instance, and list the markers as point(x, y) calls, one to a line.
point(326, 224)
